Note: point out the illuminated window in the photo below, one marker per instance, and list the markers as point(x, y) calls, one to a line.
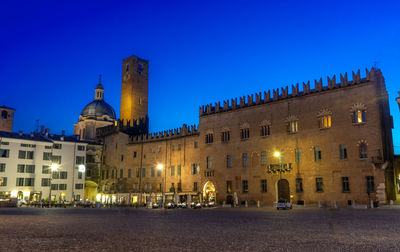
point(229, 186)
point(3, 181)
point(293, 126)
point(359, 116)
point(325, 122)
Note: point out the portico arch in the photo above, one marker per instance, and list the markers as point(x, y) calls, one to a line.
point(209, 192)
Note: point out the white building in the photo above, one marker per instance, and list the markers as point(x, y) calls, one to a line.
point(25, 167)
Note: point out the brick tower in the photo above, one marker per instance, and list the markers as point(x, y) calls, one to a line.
point(134, 89)
point(6, 118)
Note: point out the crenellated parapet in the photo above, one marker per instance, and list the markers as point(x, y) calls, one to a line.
point(130, 127)
point(183, 131)
point(283, 93)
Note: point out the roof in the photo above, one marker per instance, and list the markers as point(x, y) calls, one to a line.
point(74, 139)
point(35, 137)
point(98, 108)
point(4, 107)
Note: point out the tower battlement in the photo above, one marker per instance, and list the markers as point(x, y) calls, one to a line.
point(183, 131)
point(283, 93)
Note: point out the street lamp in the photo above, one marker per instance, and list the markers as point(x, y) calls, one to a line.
point(53, 168)
point(160, 167)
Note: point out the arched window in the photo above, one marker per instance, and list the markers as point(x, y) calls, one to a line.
point(363, 150)
point(325, 119)
point(292, 123)
point(359, 113)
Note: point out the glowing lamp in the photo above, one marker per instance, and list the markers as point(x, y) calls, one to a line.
point(277, 154)
point(160, 166)
point(81, 168)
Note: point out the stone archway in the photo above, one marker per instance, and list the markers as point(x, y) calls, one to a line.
point(209, 192)
point(283, 190)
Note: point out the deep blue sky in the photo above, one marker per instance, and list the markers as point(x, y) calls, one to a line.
point(52, 52)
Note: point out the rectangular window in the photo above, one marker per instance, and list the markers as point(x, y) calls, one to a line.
point(80, 160)
point(54, 187)
point(179, 146)
point(80, 174)
point(103, 173)
point(137, 172)
point(46, 155)
point(209, 138)
point(4, 153)
point(317, 154)
point(172, 147)
point(57, 146)
point(135, 188)
point(20, 182)
point(148, 187)
point(45, 182)
point(179, 170)
point(29, 182)
point(263, 185)
point(298, 155)
point(107, 174)
point(134, 154)
point(121, 173)
point(370, 184)
point(319, 184)
point(195, 169)
point(179, 187)
point(263, 158)
point(29, 155)
point(363, 151)
point(153, 172)
point(264, 130)
point(56, 159)
point(20, 168)
point(172, 170)
point(245, 185)
point(47, 147)
point(244, 159)
point(62, 187)
point(245, 133)
point(195, 144)
point(129, 173)
point(225, 136)
point(228, 161)
point(3, 181)
point(345, 184)
point(228, 186)
point(195, 186)
point(78, 186)
point(143, 172)
point(299, 185)
point(2, 167)
point(22, 154)
point(343, 151)
point(55, 175)
point(208, 162)
point(30, 168)
point(81, 147)
point(158, 172)
point(45, 169)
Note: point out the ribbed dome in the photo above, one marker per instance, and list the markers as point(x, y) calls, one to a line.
point(98, 108)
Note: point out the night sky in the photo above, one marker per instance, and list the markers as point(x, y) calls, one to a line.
point(200, 52)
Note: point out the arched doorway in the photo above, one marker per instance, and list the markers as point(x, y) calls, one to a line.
point(209, 192)
point(283, 190)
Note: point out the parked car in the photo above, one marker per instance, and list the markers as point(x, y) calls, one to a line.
point(283, 204)
point(182, 205)
point(171, 205)
point(192, 204)
point(155, 205)
point(211, 204)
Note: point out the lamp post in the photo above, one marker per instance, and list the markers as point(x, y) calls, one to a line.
point(160, 167)
point(53, 168)
point(277, 154)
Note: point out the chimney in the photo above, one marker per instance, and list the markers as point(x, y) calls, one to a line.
point(42, 129)
point(20, 133)
point(47, 131)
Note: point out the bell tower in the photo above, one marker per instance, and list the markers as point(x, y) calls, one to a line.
point(134, 89)
point(6, 118)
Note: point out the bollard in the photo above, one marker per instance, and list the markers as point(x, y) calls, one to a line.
point(258, 203)
point(391, 202)
point(245, 204)
point(319, 204)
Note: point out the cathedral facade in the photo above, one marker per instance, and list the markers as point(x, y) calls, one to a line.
point(329, 144)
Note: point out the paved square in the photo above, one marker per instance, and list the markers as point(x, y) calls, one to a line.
point(252, 229)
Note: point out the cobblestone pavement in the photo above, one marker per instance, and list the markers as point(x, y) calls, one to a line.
point(217, 229)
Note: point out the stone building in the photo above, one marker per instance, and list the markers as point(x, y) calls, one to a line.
point(6, 118)
point(328, 143)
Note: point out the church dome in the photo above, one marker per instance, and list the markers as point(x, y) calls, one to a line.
point(98, 108)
